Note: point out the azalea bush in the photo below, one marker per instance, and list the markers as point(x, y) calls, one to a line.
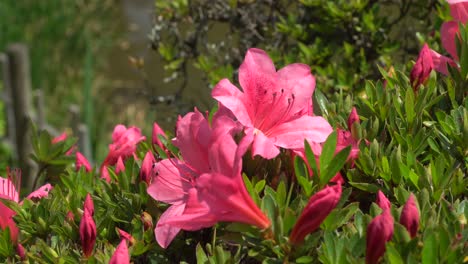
point(275, 172)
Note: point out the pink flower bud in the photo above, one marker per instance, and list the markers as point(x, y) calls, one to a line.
point(70, 216)
point(126, 236)
point(87, 233)
point(319, 207)
point(121, 255)
point(88, 204)
point(156, 132)
point(422, 68)
point(147, 167)
point(410, 216)
point(59, 138)
point(20, 251)
point(81, 161)
point(353, 117)
point(105, 173)
point(382, 201)
point(379, 232)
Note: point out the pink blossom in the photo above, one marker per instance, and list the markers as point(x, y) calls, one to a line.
point(422, 68)
point(211, 162)
point(459, 10)
point(441, 62)
point(147, 167)
point(121, 255)
point(21, 251)
point(124, 145)
point(87, 233)
point(157, 130)
point(81, 161)
point(410, 216)
point(273, 106)
point(382, 201)
point(8, 191)
point(319, 207)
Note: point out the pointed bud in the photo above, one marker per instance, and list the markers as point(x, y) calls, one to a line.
point(20, 251)
point(121, 254)
point(379, 232)
point(147, 221)
point(353, 117)
point(70, 216)
point(124, 235)
point(89, 204)
point(59, 138)
point(319, 207)
point(147, 167)
point(105, 174)
point(410, 216)
point(155, 135)
point(422, 68)
point(87, 233)
point(120, 167)
point(382, 201)
point(81, 161)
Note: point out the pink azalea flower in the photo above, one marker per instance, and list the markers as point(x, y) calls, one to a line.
point(124, 144)
point(21, 251)
point(353, 118)
point(81, 161)
point(147, 167)
point(8, 191)
point(59, 138)
point(410, 216)
point(211, 162)
point(449, 32)
point(319, 207)
point(87, 233)
point(422, 68)
point(121, 255)
point(274, 105)
point(379, 231)
point(157, 130)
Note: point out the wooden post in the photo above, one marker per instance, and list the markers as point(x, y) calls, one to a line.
point(7, 100)
point(21, 90)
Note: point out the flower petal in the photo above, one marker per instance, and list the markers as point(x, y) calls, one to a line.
point(263, 146)
point(441, 62)
point(43, 191)
point(297, 79)
point(291, 135)
point(166, 233)
point(169, 182)
point(459, 10)
point(256, 71)
point(448, 33)
point(233, 99)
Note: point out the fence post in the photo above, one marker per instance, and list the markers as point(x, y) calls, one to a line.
point(18, 58)
point(7, 100)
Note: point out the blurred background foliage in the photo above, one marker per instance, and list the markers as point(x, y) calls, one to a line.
point(142, 61)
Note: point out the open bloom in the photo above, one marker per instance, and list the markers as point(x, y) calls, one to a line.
point(410, 216)
point(274, 105)
point(207, 186)
point(379, 231)
point(319, 207)
point(124, 144)
point(121, 255)
point(8, 191)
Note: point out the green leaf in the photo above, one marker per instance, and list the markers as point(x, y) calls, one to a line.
point(429, 251)
point(259, 186)
point(201, 256)
point(301, 175)
point(328, 150)
point(335, 166)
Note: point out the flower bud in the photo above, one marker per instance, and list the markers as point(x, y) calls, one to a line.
point(410, 216)
point(81, 161)
point(120, 166)
point(87, 233)
point(147, 220)
point(156, 132)
point(147, 167)
point(353, 117)
point(422, 68)
point(319, 207)
point(121, 254)
point(88, 204)
point(382, 201)
point(126, 236)
point(379, 232)
point(20, 251)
